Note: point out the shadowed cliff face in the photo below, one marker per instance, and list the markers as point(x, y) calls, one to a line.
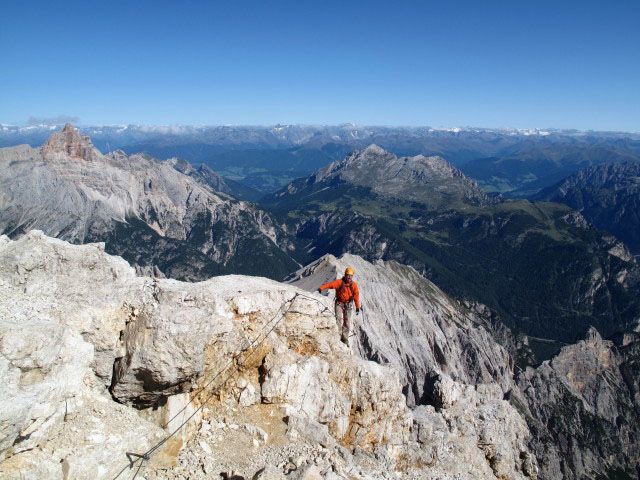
point(583, 408)
point(608, 196)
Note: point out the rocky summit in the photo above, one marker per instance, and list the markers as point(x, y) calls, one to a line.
point(69, 142)
point(163, 216)
point(432, 181)
point(96, 361)
point(244, 377)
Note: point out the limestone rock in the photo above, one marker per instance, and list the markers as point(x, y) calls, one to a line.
point(309, 429)
point(169, 345)
point(269, 473)
point(309, 472)
point(161, 337)
point(249, 396)
point(162, 220)
point(69, 142)
point(583, 406)
point(42, 366)
point(445, 392)
point(409, 323)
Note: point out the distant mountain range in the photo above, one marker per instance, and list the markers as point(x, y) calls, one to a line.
point(267, 158)
point(524, 173)
point(540, 266)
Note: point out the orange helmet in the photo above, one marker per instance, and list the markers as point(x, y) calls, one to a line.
point(349, 271)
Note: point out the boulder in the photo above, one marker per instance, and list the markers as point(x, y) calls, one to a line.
point(79, 329)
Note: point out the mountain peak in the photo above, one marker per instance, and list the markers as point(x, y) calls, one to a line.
point(429, 180)
point(71, 142)
point(373, 148)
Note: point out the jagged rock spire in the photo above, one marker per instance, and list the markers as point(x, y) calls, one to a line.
point(71, 142)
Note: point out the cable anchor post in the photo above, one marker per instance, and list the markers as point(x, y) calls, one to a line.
point(131, 455)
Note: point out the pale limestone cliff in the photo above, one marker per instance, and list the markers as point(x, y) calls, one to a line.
point(301, 402)
point(409, 323)
point(145, 209)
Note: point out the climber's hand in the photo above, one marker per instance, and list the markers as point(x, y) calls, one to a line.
point(319, 291)
point(357, 311)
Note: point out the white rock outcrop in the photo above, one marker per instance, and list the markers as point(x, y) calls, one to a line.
point(409, 323)
point(254, 367)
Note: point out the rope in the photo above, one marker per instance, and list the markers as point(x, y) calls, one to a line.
point(147, 455)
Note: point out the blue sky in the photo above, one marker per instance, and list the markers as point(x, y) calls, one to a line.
point(486, 64)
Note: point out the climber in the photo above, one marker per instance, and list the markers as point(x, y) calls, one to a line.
point(346, 293)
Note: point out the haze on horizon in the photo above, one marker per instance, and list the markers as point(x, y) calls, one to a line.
point(561, 65)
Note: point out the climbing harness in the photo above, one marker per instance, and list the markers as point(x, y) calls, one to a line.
point(146, 456)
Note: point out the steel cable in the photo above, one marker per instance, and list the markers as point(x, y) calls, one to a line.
point(152, 450)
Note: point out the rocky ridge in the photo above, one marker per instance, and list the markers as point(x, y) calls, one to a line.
point(202, 174)
point(414, 327)
point(608, 196)
point(300, 405)
point(160, 219)
point(431, 181)
point(583, 408)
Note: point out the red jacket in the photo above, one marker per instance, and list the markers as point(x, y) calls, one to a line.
point(343, 291)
